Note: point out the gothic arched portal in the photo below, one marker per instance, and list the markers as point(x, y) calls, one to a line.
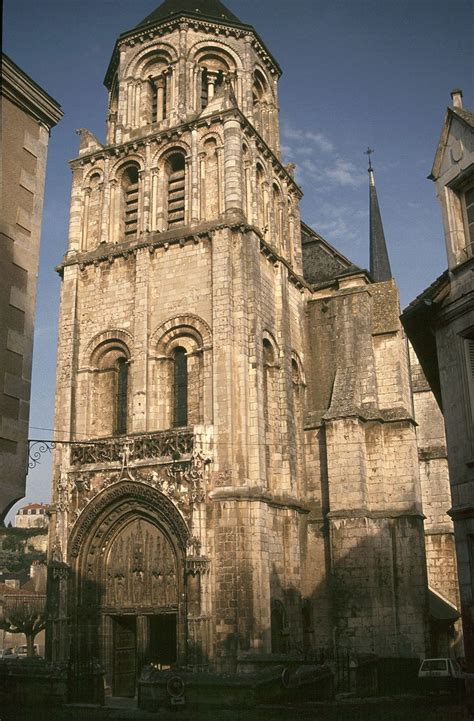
point(127, 598)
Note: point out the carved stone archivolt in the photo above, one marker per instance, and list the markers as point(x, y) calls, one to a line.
point(127, 498)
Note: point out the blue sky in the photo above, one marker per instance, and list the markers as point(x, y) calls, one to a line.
point(355, 73)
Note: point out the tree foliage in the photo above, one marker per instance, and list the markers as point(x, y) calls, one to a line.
point(25, 614)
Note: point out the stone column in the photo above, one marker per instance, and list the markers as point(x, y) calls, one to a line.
point(113, 202)
point(194, 198)
point(161, 204)
point(141, 201)
point(160, 95)
point(182, 84)
point(232, 165)
point(130, 93)
point(211, 84)
point(105, 193)
point(75, 217)
point(85, 217)
point(145, 226)
point(154, 198)
point(220, 175)
point(136, 104)
point(140, 350)
point(202, 186)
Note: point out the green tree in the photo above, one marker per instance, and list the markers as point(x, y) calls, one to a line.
point(22, 613)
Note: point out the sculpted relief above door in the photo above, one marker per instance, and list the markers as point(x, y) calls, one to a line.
point(140, 569)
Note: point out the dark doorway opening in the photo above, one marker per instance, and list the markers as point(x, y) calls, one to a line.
point(125, 656)
point(163, 638)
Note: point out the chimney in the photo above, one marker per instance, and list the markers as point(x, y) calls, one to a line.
point(456, 97)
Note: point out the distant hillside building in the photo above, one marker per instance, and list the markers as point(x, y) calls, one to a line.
point(28, 114)
point(242, 478)
point(33, 515)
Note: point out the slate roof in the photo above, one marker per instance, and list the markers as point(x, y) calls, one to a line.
point(379, 262)
point(464, 114)
point(321, 261)
point(210, 10)
point(204, 9)
point(440, 609)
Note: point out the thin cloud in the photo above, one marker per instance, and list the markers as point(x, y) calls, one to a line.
point(319, 140)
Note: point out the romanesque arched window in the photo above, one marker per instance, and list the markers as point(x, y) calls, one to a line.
point(129, 210)
point(271, 410)
point(180, 387)
point(214, 65)
point(175, 189)
point(109, 389)
point(181, 372)
point(155, 71)
point(260, 98)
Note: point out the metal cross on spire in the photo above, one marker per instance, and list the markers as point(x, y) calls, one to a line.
point(369, 152)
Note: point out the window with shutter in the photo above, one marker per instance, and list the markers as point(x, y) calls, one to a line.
point(130, 198)
point(469, 344)
point(469, 219)
point(176, 190)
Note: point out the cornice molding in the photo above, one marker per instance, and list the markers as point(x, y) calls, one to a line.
point(23, 92)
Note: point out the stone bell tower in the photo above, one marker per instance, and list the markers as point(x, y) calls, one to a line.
point(178, 492)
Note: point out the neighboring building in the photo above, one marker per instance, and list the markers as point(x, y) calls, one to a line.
point(440, 325)
point(445, 628)
point(28, 114)
point(33, 515)
point(243, 473)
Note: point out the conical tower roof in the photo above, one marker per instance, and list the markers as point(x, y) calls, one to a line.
point(379, 261)
point(169, 10)
point(203, 9)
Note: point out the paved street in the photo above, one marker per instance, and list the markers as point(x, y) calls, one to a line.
point(387, 709)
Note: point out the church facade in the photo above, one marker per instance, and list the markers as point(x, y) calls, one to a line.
point(242, 477)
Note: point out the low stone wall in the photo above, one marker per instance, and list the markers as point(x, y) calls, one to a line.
point(29, 682)
point(276, 684)
point(32, 682)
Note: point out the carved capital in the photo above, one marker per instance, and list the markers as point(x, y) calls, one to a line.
point(197, 565)
point(60, 571)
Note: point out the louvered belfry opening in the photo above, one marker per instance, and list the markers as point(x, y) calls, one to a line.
point(204, 89)
point(176, 190)
point(130, 188)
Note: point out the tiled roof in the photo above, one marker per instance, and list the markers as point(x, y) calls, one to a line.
point(33, 505)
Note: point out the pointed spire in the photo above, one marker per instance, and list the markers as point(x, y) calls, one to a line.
point(379, 262)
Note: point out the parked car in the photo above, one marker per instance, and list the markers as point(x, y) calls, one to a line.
point(7, 654)
point(441, 674)
point(22, 650)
